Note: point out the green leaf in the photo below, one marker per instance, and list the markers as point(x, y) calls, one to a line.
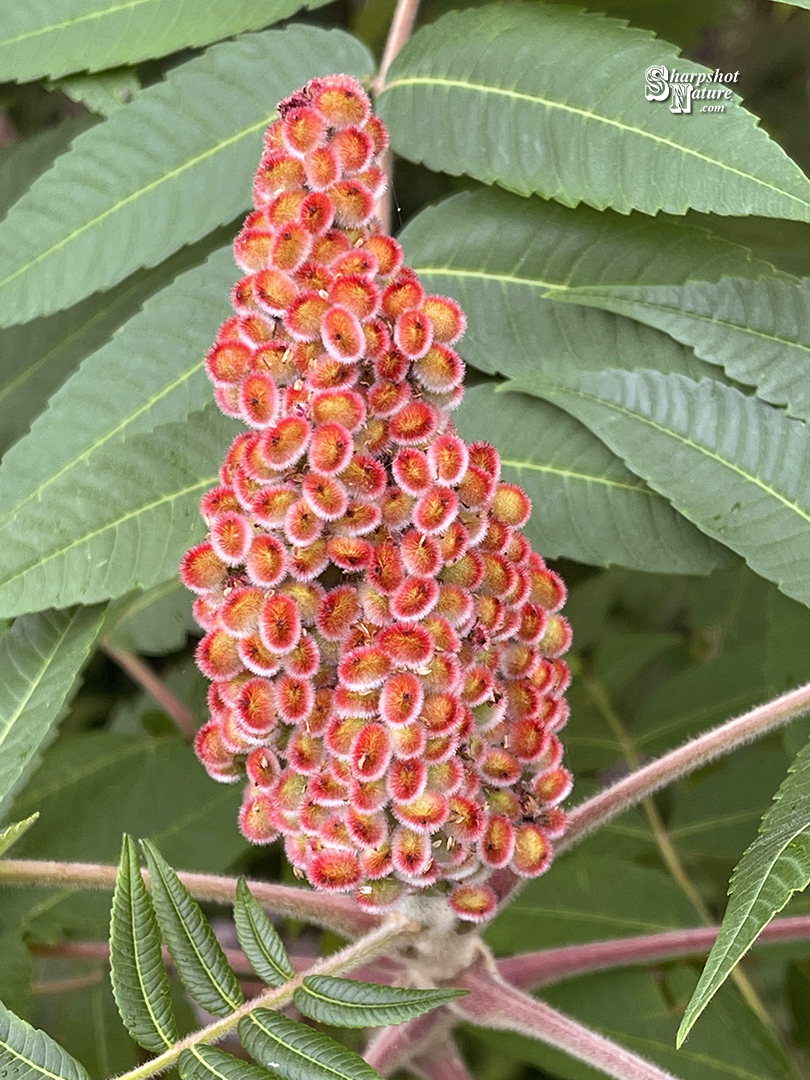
point(118, 523)
point(59, 36)
point(550, 100)
point(156, 622)
point(41, 657)
point(773, 868)
point(163, 172)
point(29, 1054)
point(150, 373)
point(498, 255)
point(345, 1003)
point(12, 833)
point(736, 467)
point(102, 94)
point(118, 378)
point(15, 972)
point(209, 1063)
point(197, 954)
point(755, 330)
point(24, 161)
point(258, 938)
point(587, 505)
point(296, 1052)
point(138, 976)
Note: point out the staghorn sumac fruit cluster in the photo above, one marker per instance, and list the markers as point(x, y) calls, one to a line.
point(383, 644)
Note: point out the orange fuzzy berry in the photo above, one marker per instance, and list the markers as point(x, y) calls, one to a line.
point(303, 130)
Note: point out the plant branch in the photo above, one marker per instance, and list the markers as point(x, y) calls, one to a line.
point(383, 971)
point(398, 33)
point(143, 675)
point(377, 943)
point(549, 966)
point(631, 790)
point(393, 1048)
point(338, 913)
point(442, 1062)
point(493, 1003)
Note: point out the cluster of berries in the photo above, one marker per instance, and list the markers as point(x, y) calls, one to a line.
point(383, 643)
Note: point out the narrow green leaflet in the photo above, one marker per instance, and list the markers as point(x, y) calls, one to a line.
point(163, 172)
point(53, 37)
point(119, 523)
point(121, 385)
point(139, 979)
point(587, 505)
point(756, 330)
point(550, 100)
point(735, 466)
point(344, 1003)
point(12, 833)
point(40, 657)
point(150, 373)
point(259, 940)
point(195, 950)
point(210, 1063)
point(498, 254)
point(297, 1052)
point(773, 868)
point(29, 1054)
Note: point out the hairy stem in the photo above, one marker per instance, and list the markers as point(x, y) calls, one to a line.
point(381, 971)
point(630, 791)
point(392, 1048)
point(669, 856)
point(441, 1062)
point(493, 1003)
point(550, 966)
point(378, 942)
point(338, 913)
point(398, 33)
point(143, 675)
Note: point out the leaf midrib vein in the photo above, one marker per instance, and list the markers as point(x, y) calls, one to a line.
point(650, 422)
point(87, 17)
point(88, 537)
point(135, 195)
point(638, 489)
point(36, 493)
point(36, 682)
point(461, 84)
point(32, 1064)
point(687, 313)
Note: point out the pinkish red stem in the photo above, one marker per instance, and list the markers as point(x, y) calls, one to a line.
point(493, 1003)
point(339, 913)
point(143, 675)
point(392, 1048)
point(553, 965)
point(630, 791)
point(441, 1062)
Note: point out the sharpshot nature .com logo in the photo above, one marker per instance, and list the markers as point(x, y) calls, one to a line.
point(684, 87)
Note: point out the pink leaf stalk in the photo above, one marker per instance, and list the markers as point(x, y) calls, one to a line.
point(383, 644)
point(495, 1004)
